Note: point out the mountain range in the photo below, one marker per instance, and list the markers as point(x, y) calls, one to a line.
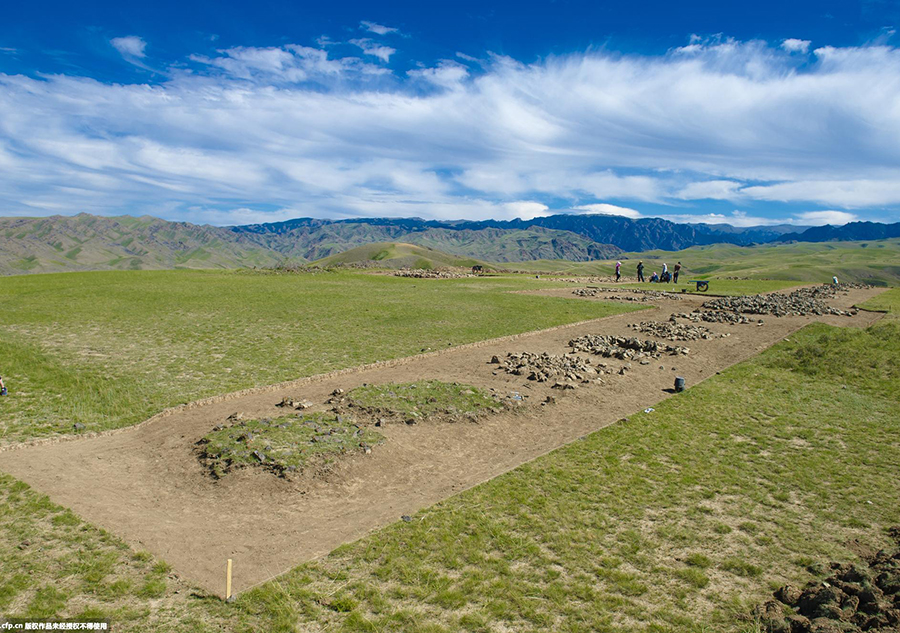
point(854, 231)
point(87, 242)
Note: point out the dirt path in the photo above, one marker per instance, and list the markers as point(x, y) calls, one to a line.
point(146, 485)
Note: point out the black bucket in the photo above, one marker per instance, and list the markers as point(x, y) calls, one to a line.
point(679, 384)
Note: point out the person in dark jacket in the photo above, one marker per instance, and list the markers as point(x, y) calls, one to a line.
point(675, 272)
point(640, 271)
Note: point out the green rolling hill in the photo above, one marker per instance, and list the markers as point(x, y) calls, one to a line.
point(876, 262)
point(398, 255)
point(86, 242)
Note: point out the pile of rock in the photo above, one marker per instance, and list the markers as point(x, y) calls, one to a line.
point(853, 286)
point(674, 331)
point(801, 302)
point(853, 598)
point(416, 273)
point(626, 294)
point(715, 316)
point(624, 348)
point(294, 403)
point(543, 367)
point(588, 280)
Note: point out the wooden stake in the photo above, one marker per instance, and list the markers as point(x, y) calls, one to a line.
point(228, 580)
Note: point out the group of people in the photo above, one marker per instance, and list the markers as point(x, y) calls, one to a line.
point(663, 277)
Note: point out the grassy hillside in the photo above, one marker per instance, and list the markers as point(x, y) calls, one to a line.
point(86, 242)
point(876, 262)
point(398, 255)
point(108, 349)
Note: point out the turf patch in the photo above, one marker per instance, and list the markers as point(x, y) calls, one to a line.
point(285, 446)
point(423, 400)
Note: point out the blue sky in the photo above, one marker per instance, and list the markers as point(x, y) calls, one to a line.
point(229, 113)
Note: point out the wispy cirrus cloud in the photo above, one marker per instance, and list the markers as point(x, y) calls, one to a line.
point(378, 29)
point(370, 47)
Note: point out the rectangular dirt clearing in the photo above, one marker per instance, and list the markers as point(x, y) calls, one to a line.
point(146, 484)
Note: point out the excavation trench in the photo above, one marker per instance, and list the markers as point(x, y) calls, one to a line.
point(146, 484)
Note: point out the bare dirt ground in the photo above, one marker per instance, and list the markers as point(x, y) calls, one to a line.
point(147, 485)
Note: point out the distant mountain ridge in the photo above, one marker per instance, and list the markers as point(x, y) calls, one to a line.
point(315, 239)
point(87, 242)
point(851, 232)
point(623, 233)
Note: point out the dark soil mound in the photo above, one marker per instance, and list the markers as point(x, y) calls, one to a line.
point(853, 598)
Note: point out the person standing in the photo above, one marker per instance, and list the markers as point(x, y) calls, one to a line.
point(618, 271)
point(2, 387)
point(640, 271)
point(675, 272)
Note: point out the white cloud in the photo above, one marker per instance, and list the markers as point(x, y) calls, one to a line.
point(378, 29)
point(298, 128)
point(129, 46)
point(793, 45)
point(291, 64)
point(609, 209)
point(376, 50)
point(850, 194)
point(826, 217)
point(710, 190)
point(742, 219)
point(526, 210)
point(447, 74)
point(735, 218)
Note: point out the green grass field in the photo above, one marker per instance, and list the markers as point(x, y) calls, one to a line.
point(873, 262)
point(886, 302)
point(677, 520)
point(110, 349)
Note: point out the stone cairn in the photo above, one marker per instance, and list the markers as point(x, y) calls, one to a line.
point(430, 274)
point(801, 302)
point(715, 316)
point(673, 331)
point(624, 348)
point(544, 367)
point(626, 294)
